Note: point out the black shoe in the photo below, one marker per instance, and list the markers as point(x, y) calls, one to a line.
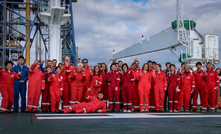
point(194, 110)
point(37, 111)
point(59, 111)
point(116, 111)
point(73, 112)
point(53, 112)
point(15, 111)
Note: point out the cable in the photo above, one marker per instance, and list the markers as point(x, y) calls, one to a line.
point(100, 30)
point(90, 28)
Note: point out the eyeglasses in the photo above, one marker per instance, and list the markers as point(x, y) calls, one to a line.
point(38, 64)
point(84, 62)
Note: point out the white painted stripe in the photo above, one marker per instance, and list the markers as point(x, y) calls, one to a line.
point(131, 116)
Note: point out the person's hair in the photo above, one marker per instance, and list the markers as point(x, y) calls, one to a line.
point(172, 65)
point(115, 64)
point(220, 71)
point(168, 63)
point(183, 64)
point(84, 60)
point(99, 72)
point(67, 57)
point(8, 62)
point(149, 61)
point(60, 64)
point(57, 68)
point(100, 92)
point(54, 60)
point(208, 63)
point(39, 61)
point(105, 67)
point(137, 61)
point(119, 61)
point(159, 65)
point(125, 64)
point(46, 67)
point(21, 57)
point(49, 61)
point(198, 63)
point(144, 65)
point(79, 64)
point(154, 62)
point(134, 63)
point(213, 65)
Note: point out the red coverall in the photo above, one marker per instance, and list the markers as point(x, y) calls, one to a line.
point(211, 81)
point(136, 101)
point(7, 90)
point(96, 80)
point(160, 83)
point(66, 92)
point(152, 104)
point(87, 82)
point(56, 89)
point(187, 82)
point(144, 86)
point(90, 106)
point(200, 85)
point(77, 87)
point(46, 94)
point(173, 79)
point(126, 89)
point(114, 78)
point(104, 86)
point(36, 82)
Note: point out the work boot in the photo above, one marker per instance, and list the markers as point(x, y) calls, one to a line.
point(194, 110)
point(59, 111)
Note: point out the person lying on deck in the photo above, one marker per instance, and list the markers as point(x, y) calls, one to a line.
point(91, 105)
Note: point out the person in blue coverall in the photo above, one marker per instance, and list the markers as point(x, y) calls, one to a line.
point(20, 85)
point(49, 62)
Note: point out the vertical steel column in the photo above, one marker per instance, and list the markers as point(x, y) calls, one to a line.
point(27, 33)
point(4, 32)
point(73, 39)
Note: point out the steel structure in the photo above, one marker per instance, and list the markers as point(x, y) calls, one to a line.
point(182, 33)
point(25, 15)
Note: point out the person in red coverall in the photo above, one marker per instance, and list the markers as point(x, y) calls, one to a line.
point(45, 93)
point(173, 78)
point(114, 89)
point(56, 89)
point(218, 104)
point(7, 78)
point(144, 86)
point(152, 105)
point(104, 86)
point(136, 71)
point(77, 77)
point(187, 84)
point(66, 69)
point(35, 85)
point(160, 86)
point(96, 82)
point(211, 85)
point(200, 84)
point(87, 71)
point(91, 105)
point(127, 78)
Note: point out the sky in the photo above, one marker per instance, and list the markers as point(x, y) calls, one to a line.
point(102, 26)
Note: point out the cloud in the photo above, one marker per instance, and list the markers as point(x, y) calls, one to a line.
point(123, 22)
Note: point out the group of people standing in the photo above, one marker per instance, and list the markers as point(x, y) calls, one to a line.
point(123, 87)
